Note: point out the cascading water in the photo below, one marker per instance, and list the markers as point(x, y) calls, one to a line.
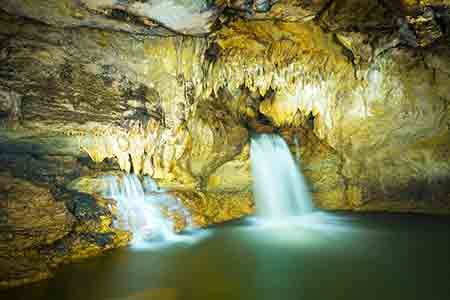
point(139, 208)
point(279, 187)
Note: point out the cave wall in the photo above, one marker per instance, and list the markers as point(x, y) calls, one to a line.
point(120, 100)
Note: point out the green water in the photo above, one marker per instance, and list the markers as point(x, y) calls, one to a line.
point(331, 256)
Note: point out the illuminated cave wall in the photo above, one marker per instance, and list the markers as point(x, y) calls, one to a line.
point(178, 108)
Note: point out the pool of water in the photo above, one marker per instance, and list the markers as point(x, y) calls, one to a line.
point(322, 256)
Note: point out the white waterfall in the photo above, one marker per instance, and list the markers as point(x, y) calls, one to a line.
point(139, 208)
point(279, 187)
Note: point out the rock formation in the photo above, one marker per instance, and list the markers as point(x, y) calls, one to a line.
point(174, 89)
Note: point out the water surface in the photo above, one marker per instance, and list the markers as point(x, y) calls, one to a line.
point(326, 256)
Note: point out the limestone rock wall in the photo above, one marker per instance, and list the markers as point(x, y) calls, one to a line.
point(177, 107)
point(387, 118)
point(113, 97)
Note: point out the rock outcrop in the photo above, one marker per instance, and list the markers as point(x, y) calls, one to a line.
point(38, 231)
point(30, 215)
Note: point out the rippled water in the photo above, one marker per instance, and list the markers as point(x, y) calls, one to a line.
point(322, 256)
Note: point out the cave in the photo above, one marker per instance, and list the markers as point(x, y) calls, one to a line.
point(224, 149)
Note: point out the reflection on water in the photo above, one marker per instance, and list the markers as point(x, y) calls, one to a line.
point(152, 294)
point(319, 256)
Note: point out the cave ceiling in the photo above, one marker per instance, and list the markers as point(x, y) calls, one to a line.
point(418, 22)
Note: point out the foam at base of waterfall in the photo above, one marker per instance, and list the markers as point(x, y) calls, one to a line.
point(262, 222)
point(188, 237)
point(279, 187)
point(308, 230)
point(139, 207)
point(315, 219)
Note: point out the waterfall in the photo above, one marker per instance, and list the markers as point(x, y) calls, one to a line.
point(139, 208)
point(279, 187)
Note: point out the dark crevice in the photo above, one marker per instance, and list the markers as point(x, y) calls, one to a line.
point(325, 7)
point(130, 160)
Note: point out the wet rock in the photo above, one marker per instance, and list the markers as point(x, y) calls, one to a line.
point(425, 27)
point(84, 245)
point(38, 233)
point(85, 208)
point(10, 107)
point(31, 216)
point(233, 176)
point(22, 270)
point(215, 208)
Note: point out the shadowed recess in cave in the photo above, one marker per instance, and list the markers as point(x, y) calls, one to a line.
point(140, 208)
point(279, 187)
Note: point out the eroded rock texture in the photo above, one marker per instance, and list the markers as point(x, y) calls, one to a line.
point(174, 90)
point(39, 230)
